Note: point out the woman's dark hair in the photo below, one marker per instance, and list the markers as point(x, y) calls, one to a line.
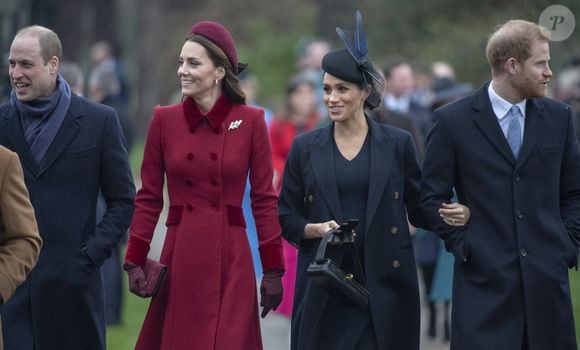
point(230, 83)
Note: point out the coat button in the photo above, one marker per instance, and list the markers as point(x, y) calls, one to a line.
point(520, 215)
point(190, 156)
point(310, 198)
point(192, 130)
point(396, 195)
point(189, 182)
point(394, 230)
point(396, 264)
point(523, 252)
point(213, 156)
point(517, 177)
point(217, 130)
point(216, 207)
point(189, 207)
point(213, 182)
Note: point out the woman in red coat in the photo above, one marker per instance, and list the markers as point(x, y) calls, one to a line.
point(299, 114)
point(205, 147)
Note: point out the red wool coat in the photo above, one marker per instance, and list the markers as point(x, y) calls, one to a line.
point(209, 299)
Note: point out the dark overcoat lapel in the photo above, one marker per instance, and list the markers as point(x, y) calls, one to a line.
point(322, 156)
point(535, 120)
point(381, 147)
point(15, 135)
point(486, 120)
point(68, 130)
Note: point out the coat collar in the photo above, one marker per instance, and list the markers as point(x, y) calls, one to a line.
point(66, 133)
point(322, 156)
point(13, 130)
point(485, 119)
point(216, 115)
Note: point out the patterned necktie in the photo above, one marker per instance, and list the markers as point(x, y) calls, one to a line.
point(514, 133)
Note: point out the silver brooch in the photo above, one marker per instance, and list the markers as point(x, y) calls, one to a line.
point(235, 124)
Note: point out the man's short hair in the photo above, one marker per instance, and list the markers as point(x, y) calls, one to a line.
point(513, 39)
point(50, 45)
point(393, 62)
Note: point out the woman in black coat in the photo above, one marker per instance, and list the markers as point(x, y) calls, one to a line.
point(356, 169)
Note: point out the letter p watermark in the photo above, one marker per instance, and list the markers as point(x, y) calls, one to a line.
point(559, 20)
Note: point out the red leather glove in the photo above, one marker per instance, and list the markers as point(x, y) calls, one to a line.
point(271, 290)
point(136, 279)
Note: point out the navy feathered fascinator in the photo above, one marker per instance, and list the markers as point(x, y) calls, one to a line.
point(356, 44)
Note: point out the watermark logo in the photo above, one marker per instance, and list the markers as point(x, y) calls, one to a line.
point(559, 20)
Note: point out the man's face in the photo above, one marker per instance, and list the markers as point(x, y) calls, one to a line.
point(532, 76)
point(401, 81)
point(30, 77)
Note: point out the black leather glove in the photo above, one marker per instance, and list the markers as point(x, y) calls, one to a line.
point(271, 290)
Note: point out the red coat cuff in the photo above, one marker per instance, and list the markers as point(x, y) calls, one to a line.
point(136, 252)
point(272, 257)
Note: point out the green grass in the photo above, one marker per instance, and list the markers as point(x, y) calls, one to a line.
point(575, 290)
point(124, 336)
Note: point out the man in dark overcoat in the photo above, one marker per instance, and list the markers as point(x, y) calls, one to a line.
point(69, 149)
point(512, 155)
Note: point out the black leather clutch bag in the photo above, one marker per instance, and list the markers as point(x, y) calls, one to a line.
point(339, 284)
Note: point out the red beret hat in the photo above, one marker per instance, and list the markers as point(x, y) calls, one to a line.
point(220, 36)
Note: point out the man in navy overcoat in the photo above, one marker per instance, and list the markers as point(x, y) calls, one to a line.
point(70, 149)
point(510, 288)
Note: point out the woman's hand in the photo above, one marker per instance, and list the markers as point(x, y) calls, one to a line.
point(454, 214)
point(313, 231)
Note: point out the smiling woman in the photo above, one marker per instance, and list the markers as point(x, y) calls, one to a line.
point(356, 169)
point(205, 146)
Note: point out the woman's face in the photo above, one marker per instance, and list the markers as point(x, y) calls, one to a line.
point(302, 100)
point(196, 71)
point(342, 99)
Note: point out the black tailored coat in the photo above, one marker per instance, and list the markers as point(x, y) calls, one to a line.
point(512, 257)
point(60, 306)
point(309, 195)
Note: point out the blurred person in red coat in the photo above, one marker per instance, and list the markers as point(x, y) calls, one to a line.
point(299, 114)
point(205, 146)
